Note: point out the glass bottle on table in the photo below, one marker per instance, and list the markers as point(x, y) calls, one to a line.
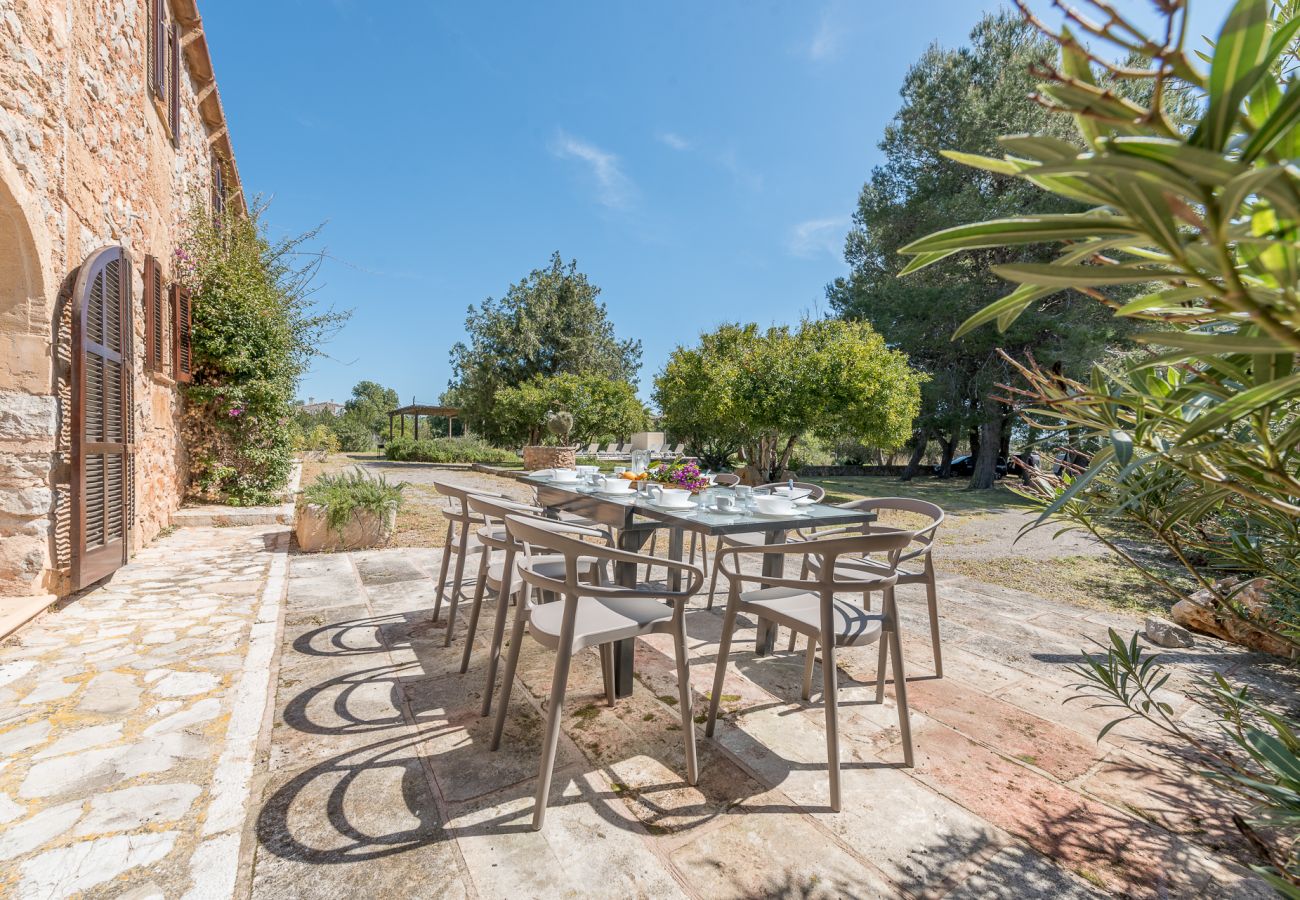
point(640, 461)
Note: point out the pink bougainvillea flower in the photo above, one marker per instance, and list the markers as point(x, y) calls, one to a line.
point(236, 412)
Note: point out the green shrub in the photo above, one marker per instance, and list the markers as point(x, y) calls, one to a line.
point(448, 450)
point(353, 492)
point(321, 439)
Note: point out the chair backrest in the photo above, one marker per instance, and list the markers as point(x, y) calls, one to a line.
point(727, 479)
point(455, 496)
point(923, 535)
point(611, 447)
point(493, 511)
point(824, 579)
point(815, 491)
point(534, 533)
point(592, 449)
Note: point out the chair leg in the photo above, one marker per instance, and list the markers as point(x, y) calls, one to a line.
point(463, 549)
point(808, 668)
point(794, 636)
point(607, 671)
point(494, 653)
point(900, 680)
point(881, 661)
point(830, 701)
point(442, 572)
point(933, 600)
point(554, 714)
point(720, 670)
point(508, 677)
point(480, 588)
point(654, 545)
point(684, 702)
point(713, 580)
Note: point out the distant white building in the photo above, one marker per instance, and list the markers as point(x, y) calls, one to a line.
point(326, 406)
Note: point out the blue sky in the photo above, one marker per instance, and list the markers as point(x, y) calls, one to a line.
point(699, 160)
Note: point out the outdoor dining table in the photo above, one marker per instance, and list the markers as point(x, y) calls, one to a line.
point(636, 519)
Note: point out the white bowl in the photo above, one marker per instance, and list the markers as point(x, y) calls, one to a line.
point(565, 475)
point(615, 485)
point(588, 470)
point(792, 493)
point(674, 497)
point(771, 505)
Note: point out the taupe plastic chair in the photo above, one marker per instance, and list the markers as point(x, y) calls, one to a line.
point(500, 577)
point(461, 523)
point(758, 538)
point(590, 615)
point(808, 606)
point(919, 553)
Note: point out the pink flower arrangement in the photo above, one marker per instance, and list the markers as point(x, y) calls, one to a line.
point(685, 475)
point(235, 412)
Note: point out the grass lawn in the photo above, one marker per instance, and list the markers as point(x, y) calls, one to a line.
point(948, 493)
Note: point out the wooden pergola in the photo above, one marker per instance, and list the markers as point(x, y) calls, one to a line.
point(417, 410)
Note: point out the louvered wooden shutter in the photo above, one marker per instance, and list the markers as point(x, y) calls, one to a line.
point(218, 187)
point(154, 327)
point(151, 46)
point(158, 37)
point(182, 366)
point(174, 84)
point(101, 410)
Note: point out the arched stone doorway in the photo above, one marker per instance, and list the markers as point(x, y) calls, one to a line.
point(28, 406)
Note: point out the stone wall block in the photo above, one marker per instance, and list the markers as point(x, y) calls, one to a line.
point(27, 417)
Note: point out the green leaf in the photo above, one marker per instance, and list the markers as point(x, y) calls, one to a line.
point(1012, 304)
point(987, 163)
point(1204, 166)
point(1123, 444)
point(1275, 754)
point(1022, 230)
point(1280, 123)
point(1236, 191)
point(1243, 404)
point(1213, 343)
point(1039, 147)
point(1049, 274)
point(922, 260)
point(1160, 299)
point(1239, 57)
point(1075, 64)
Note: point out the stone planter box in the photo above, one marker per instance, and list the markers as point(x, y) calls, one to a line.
point(550, 457)
point(362, 531)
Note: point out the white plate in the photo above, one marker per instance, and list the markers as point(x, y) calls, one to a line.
point(796, 514)
point(615, 493)
point(804, 501)
point(689, 507)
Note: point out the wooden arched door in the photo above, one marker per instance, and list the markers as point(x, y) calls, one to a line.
point(101, 415)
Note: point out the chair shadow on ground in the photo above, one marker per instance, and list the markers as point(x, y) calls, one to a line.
point(428, 703)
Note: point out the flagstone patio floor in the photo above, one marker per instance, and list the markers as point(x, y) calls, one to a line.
point(150, 723)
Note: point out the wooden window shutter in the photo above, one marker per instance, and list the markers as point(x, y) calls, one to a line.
point(154, 326)
point(174, 84)
point(182, 366)
point(159, 39)
point(151, 46)
point(218, 186)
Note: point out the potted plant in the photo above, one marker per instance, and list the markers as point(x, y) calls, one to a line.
point(558, 455)
point(351, 511)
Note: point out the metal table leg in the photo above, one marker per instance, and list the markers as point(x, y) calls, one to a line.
point(632, 540)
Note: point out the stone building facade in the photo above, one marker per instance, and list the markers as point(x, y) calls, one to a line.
point(111, 129)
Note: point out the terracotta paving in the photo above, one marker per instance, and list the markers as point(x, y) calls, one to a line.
point(380, 774)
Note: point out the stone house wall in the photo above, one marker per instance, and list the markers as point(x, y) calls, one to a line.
point(87, 160)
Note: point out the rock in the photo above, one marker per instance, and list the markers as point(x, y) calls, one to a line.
point(1201, 612)
point(1164, 633)
point(110, 693)
point(134, 808)
point(32, 833)
point(81, 866)
point(185, 684)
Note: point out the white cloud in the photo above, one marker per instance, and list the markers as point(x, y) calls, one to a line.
point(613, 188)
point(825, 43)
point(817, 236)
point(675, 141)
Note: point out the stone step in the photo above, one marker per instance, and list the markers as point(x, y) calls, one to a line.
point(16, 612)
point(222, 516)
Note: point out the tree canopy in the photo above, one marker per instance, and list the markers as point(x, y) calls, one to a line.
point(550, 323)
point(760, 392)
point(602, 410)
point(963, 99)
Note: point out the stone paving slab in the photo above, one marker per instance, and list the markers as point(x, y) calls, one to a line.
point(129, 718)
point(1012, 795)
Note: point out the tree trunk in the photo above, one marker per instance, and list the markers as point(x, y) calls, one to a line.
point(1004, 443)
point(986, 462)
point(974, 440)
point(949, 446)
point(920, 440)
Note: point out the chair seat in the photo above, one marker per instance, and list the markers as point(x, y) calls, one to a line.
point(744, 539)
point(550, 566)
point(802, 611)
point(856, 567)
point(599, 620)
